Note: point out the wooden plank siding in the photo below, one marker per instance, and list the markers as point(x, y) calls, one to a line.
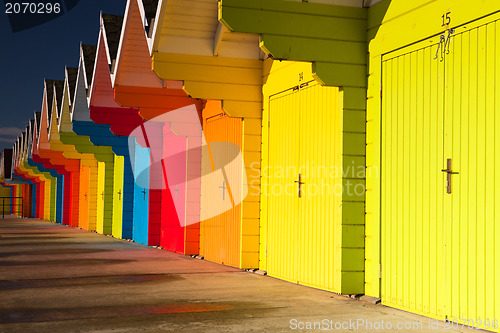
point(83, 133)
point(52, 159)
point(136, 85)
point(62, 120)
point(333, 39)
point(394, 25)
point(115, 122)
point(190, 45)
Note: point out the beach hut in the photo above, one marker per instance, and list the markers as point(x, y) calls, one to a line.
point(122, 121)
point(88, 164)
point(313, 144)
point(57, 180)
point(218, 65)
point(42, 177)
point(53, 159)
point(174, 202)
point(85, 136)
point(431, 121)
point(115, 121)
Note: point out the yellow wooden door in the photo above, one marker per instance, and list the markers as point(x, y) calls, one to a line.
point(93, 197)
point(439, 155)
point(117, 225)
point(283, 200)
point(412, 181)
point(101, 169)
point(301, 241)
point(472, 106)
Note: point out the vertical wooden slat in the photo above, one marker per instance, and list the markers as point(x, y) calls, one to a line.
point(118, 197)
point(141, 194)
point(480, 199)
point(84, 197)
point(451, 114)
point(300, 237)
point(490, 167)
point(101, 174)
point(220, 235)
point(412, 205)
point(496, 119)
point(94, 197)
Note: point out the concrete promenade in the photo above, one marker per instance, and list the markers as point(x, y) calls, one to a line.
point(59, 279)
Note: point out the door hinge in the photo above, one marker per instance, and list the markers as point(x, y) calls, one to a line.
point(381, 90)
point(379, 271)
point(266, 251)
point(268, 122)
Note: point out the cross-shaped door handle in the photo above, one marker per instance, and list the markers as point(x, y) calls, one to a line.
point(144, 192)
point(223, 187)
point(300, 182)
point(119, 195)
point(449, 172)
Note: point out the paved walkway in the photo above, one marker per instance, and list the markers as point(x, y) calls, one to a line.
point(60, 279)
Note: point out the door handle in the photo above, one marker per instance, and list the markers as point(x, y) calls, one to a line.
point(449, 172)
point(300, 182)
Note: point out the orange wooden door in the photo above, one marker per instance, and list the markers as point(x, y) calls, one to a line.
point(220, 235)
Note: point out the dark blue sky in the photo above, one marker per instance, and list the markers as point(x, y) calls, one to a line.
point(29, 56)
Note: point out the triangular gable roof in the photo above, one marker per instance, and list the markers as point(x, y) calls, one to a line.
point(101, 91)
point(18, 153)
point(27, 142)
point(133, 50)
point(30, 142)
point(54, 117)
point(38, 118)
point(15, 153)
point(69, 95)
point(23, 146)
point(53, 112)
point(20, 148)
point(80, 109)
point(213, 62)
